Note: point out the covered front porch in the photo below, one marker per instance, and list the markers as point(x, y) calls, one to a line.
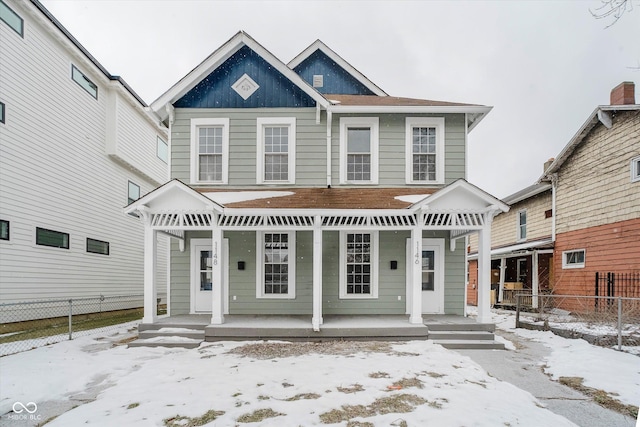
point(452, 212)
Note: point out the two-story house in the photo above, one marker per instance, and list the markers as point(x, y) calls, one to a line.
point(304, 189)
point(582, 217)
point(76, 145)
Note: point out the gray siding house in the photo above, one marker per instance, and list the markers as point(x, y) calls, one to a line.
point(304, 188)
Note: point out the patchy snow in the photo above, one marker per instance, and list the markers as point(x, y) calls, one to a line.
point(144, 386)
point(224, 197)
point(171, 339)
point(603, 368)
point(412, 198)
point(168, 330)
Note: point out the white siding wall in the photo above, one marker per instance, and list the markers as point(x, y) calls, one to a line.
point(55, 174)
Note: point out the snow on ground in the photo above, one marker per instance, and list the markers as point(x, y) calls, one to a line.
point(144, 386)
point(602, 368)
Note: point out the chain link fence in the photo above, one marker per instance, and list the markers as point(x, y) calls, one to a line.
point(31, 324)
point(603, 321)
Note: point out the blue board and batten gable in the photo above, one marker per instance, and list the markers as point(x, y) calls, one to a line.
point(336, 79)
point(215, 90)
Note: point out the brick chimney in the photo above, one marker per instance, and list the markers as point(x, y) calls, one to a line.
point(624, 94)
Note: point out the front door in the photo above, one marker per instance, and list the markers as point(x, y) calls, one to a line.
point(432, 276)
point(201, 275)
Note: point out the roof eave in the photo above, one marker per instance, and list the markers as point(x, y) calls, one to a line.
point(444, 109)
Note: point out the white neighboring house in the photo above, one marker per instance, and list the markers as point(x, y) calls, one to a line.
point(76, 145)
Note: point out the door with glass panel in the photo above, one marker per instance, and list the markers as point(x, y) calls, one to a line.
point(201, 275)
point(432, 276)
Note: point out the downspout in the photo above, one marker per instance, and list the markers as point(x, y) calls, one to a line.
point(329, 122)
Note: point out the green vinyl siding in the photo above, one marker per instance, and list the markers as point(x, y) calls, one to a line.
point(454, 279)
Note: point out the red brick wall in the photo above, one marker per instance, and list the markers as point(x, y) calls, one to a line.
point(472, 286)
point(609, 248)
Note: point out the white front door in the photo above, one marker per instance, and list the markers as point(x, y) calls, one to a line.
point(201, 274)
point(432, 276)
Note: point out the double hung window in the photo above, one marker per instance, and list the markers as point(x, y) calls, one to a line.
point(276, 265)
point(522, 225)
point(358, 265)
point(359, 150)
point(210, 151)
point(425, 150)
point(276, 139)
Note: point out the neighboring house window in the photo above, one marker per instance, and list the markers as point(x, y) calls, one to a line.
point(162, 150)
point(209, 151)
point(573, 259)
point(97, 246)
point(4, 229)
point(635, 169)
point(276, 139)
point(359, 150)
point(522, 225)
point(424, 145)
point(1, 112)
point(52, 238)
point(84, 82)
point(358, 265)
point(133, 192)
point(11, 18)
point(276, 261)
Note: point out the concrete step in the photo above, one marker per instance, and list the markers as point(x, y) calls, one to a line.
point(461, 335)
point(221, 332)
point(157, 326)
point(176, 332)
point(487, 327)
point(470, 344)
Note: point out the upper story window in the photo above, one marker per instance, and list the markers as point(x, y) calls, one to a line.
point(52, 238)
point(209, 151)
point(276, 142)
point(573, 259)
point(133, 192)
point(11, 18)
point(97, 246)
point(635, 169)
point(162, 150)
point(425, 150)
point(358, 265)
point(4, 229)
point(276, 256)
point(1, 112)
point(522, 225)
point(359, 150)
point(84, 82)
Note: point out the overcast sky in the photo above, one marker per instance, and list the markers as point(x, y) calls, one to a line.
point(543, 65)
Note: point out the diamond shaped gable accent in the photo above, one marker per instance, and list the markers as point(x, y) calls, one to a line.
point(245, 86)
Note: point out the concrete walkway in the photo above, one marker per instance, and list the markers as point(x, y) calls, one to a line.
point(522, 368)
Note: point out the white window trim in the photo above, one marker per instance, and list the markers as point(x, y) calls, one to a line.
point(263, 122)
point(634, 167)
point(438, 123)
point(260, 266)
point(205, 122)
point(564, 259)
point(519, 237)
point(375, 262)
point(373, 124)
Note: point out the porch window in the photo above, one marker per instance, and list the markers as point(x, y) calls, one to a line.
point(359, 265)
point(276, 265)
point(209, 150)
point(424, 140)
point(573, 259)
point(359, 150)
point(276, 140)
point(522, 225)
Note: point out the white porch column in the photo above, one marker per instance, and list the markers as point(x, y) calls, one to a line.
point(503, 270)
point(150, 264)
point(484, 271)
point(535, 284)
point(316, 320)
point(415, 316)
point(217, 305)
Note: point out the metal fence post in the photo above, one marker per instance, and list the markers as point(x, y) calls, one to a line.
point(70, 317)
point(619, 323)
point(517, 311)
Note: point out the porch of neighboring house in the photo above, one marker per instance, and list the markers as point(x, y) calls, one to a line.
point(191, 330)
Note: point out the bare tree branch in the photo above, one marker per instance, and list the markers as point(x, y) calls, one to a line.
point(612, 8)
